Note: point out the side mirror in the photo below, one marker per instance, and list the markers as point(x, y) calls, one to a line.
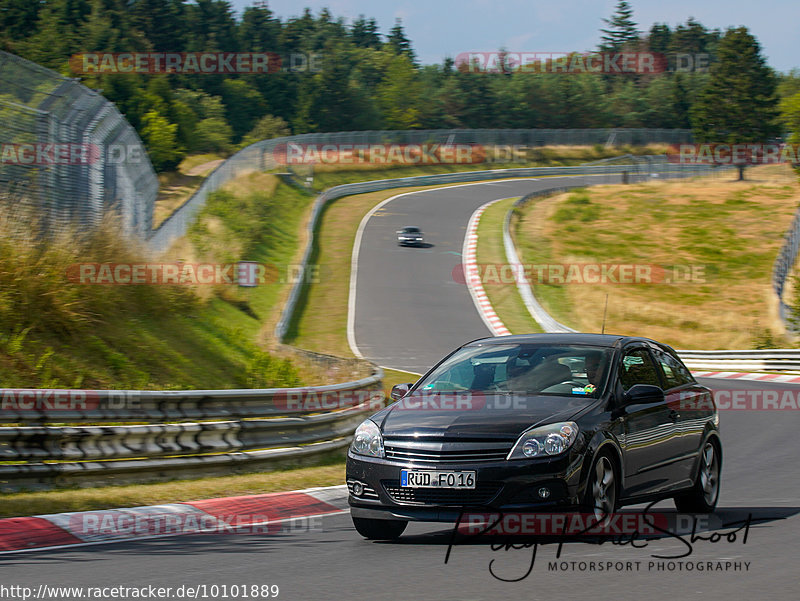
point(399, 391)
point(642, 393)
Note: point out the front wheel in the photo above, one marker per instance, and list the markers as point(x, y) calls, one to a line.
point(379, 529)
point(703, 496)
point(600, 498)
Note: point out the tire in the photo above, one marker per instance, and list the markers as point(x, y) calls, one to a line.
point(703, 496)
point(379, 529)
point(601, 496)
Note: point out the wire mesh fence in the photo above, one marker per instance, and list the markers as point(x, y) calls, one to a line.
point(69, 153)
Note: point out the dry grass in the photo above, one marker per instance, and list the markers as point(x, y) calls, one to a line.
point(176, 187)
point(731, 230)
point(248, 181)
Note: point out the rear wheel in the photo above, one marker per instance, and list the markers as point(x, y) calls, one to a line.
point(379, 529)
point(600, 498)
point(703, 496)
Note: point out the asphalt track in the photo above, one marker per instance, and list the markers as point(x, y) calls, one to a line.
point(421, 309)
point(409, 309)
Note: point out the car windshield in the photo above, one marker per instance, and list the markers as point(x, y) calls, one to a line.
point(564, 369)
point(411, 230)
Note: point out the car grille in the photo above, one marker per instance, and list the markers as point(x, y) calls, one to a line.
point(481, 495)
point(453, 454)
point(369, 492)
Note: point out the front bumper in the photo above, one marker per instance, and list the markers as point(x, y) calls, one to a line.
point(500, 486)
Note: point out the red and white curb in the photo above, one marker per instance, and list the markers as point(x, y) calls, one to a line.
point(229, 515)
point(472, 276)
point(748, 375)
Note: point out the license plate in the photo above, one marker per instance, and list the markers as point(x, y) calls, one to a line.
point(436, 479)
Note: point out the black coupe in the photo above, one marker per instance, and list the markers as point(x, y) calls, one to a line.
point(586, 422)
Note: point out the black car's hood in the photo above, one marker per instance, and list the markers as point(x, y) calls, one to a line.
point(493, 416)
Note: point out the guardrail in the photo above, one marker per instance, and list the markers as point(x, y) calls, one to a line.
point(248, 430)
point(784, 263)
point(754, 360)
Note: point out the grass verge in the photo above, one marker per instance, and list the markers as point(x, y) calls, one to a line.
point(176, 187)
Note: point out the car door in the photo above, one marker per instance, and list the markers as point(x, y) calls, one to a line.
point(647, 427)
point(692, 404)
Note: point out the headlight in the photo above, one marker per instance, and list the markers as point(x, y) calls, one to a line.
point(368, 440)
point(545, 441)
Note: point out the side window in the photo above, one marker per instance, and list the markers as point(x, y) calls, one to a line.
point(674, 371)
point(638, 368)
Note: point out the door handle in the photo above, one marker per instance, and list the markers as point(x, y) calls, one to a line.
point(674, 415)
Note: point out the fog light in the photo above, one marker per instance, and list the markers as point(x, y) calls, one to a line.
point(544, 492)
point(358, 489)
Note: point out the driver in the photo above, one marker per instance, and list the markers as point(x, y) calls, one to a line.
point(592, 362)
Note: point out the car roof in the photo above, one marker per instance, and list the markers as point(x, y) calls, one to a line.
point(410, 227)
point(607, 340)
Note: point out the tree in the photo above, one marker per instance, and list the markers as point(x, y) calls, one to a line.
point(159, 21)
point(621, 29)
point(325, 100)
point(18, 18)
point(266, 128)
point(789, 83)
point(790, 116)
point(243, 105)
point(399, 43)
point(58, 33)
point(659, 38)
point(365, 33)
point(259, 29)
point(160, 137)
point(213, 135)
point(738, 104)
point(398, 95)
point(210, 26)
point(693, 38)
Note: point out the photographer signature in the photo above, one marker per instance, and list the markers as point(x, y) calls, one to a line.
point(633, 539)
